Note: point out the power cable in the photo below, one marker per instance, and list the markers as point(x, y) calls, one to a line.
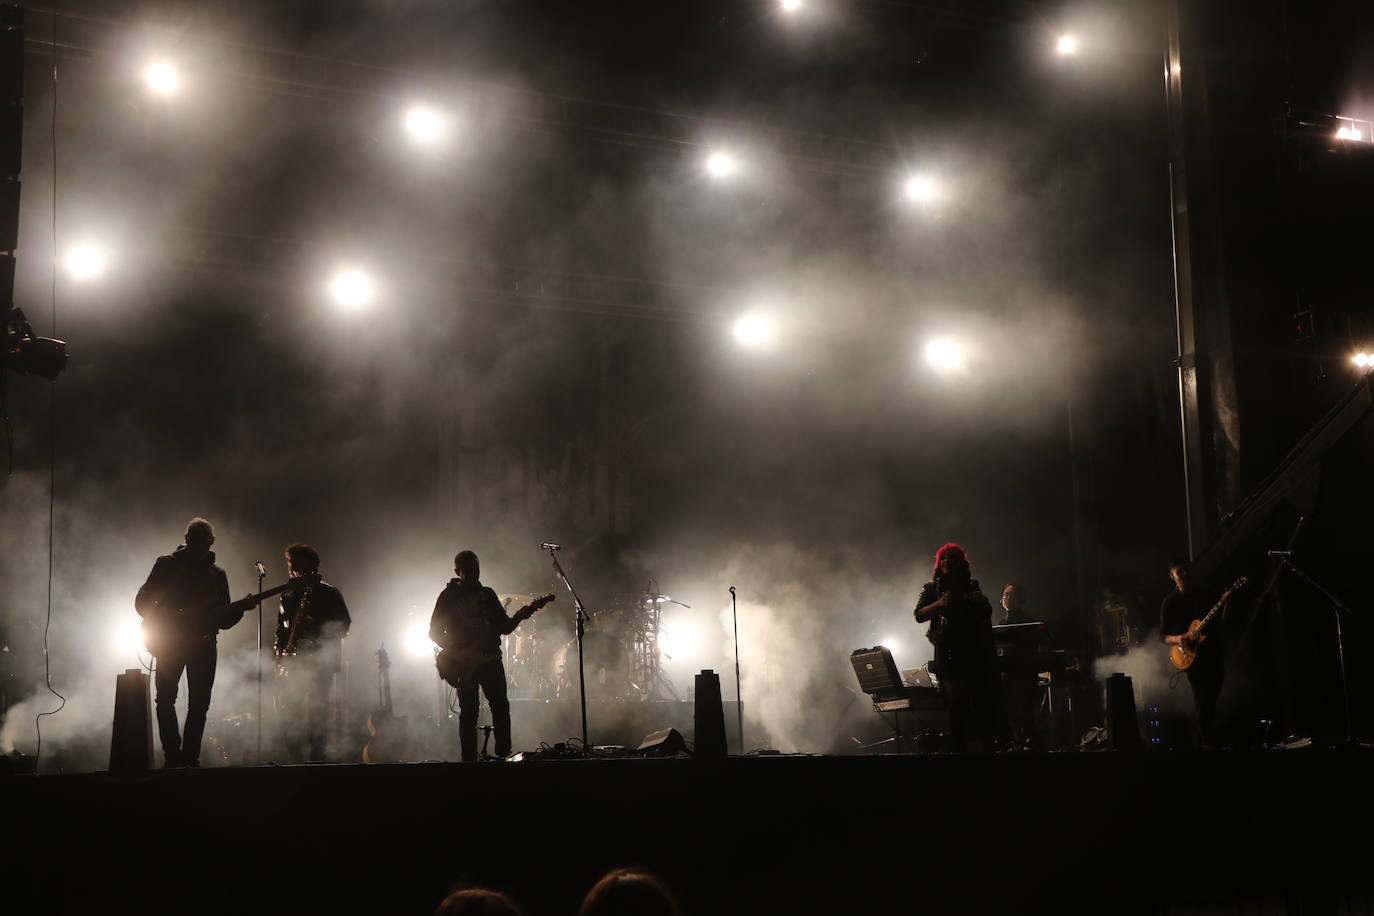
point(52, 431)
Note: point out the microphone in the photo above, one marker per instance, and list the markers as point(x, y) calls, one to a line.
point(262, 570)
point(548, 546)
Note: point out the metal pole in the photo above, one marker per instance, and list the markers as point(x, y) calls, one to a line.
point(739, 697)
point(262, 574)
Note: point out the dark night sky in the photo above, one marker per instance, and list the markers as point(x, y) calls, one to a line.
point(550, 354)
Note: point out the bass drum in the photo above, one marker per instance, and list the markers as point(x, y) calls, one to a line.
point(607, 666)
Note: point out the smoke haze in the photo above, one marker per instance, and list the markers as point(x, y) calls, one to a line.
point(549, 356)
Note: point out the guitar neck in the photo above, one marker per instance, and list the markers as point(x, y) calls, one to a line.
point(1216, 607)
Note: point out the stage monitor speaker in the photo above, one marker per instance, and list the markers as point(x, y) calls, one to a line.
point(1123, 729)
point(710, 716)
point(663, 743)
point(131, 741)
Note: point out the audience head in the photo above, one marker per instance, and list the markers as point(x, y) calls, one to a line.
point(629, 892)
point(477, 901)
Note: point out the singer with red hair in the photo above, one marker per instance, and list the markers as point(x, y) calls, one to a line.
point(960, 619)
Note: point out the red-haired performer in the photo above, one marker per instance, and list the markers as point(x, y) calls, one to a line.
point(960, 621)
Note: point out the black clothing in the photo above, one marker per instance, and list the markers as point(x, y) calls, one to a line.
point(962, 634)
point(469, 619)
point(490, 676)
point(322, 630)
point(181, 583)
point(962, 631)
point(1207, 671)
point(198, 660)
point(317, 656)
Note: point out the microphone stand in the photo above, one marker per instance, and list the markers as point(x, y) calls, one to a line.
point(581, 629)
point(1338, 607)
point(262, 574)
point(739, 697)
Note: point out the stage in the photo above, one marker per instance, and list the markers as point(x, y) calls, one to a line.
point(1167, 832)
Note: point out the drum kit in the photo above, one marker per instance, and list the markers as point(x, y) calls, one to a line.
point(621, 654)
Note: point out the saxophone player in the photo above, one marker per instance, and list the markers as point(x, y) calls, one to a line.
point(311, 626)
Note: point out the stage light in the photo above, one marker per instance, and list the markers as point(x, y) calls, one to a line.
point(162, 78)
point(755, 330)
point(416, 639)
point(351, 288)
point(679, 642)
point(790, 6)
point(921, 189)
point(26, 352)
point(85, 262)
point(1354, 129)
point(721, 165)
point(944, 354)
point(891, 644)
point(1066, 44)
point(1363, 360)
point(426, 126)
point(126, 636)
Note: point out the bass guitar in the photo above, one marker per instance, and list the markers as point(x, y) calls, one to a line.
point(386, 731)
point(455, 661)
point(167, 629)
point(1185, 653)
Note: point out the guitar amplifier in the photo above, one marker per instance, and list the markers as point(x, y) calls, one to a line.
point(876, 671)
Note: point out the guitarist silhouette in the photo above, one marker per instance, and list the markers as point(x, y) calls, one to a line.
point(467, 625)
point(184, 604)
point(1186, 604)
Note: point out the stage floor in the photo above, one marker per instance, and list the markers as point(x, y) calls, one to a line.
point(1165, 832)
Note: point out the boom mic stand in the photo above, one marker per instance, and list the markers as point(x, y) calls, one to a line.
point(1338, 607)
point(581, 629)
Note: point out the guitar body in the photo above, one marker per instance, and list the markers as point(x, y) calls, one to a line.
point(387, 737)
point(456, 661)
point(387, 741)
point(453, 664)
point(1183, 658)
point(168, 631)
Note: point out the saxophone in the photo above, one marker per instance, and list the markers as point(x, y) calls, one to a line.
point(302, 611)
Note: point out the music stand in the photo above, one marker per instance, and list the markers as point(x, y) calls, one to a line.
point(879, 678)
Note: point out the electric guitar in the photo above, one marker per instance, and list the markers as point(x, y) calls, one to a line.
point(167, 629)
point(1184, 654)
point(455, 661)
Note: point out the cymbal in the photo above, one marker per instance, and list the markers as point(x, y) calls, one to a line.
point(654, 599)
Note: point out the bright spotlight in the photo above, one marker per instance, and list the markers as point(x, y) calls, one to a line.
point(721, 165)
point(416, 639)
point(1354, 129)
point(945, 355)
point(755, 330)
point(85, 262)
point(1066, 44)
point(682, 640)
point(791, 6)
point(126, 635)
point(892, 645)
point(1363, 360)
point(351, 288)
point(426, 125)
point(162, 78)
point(921, 189)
